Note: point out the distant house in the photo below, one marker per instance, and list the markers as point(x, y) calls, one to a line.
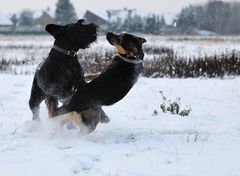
point(5, 24)
point(94, 17)
point(43, 20)
point(113, 15)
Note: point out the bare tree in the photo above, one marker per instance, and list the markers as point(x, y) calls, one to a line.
point(217, 16)
point(14, 19)
point(234, 21)
point(65, 12)
point(26, 18)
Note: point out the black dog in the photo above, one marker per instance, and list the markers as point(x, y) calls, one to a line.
point(60, 74)
point(113, 83)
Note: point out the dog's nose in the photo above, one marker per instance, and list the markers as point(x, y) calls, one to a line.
point(109, 36)
point(112, 38)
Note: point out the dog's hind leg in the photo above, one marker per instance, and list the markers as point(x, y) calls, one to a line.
point(36, 97)
point(52, 105)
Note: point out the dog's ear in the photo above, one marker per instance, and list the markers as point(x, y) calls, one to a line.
point(54, 30)
point(80, 21)
point(141, 40)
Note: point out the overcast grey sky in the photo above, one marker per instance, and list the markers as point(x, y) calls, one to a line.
point(160, 6)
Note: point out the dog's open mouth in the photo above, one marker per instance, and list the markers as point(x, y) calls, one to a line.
point(93, 37)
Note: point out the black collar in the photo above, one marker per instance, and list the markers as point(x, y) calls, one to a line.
point(71, 53)
point(131, 61)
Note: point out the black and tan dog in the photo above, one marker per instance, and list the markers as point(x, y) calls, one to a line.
point(112, 84)
point(60, 74)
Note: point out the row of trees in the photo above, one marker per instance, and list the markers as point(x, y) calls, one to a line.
point(220, 17)
point(216, 16)
point(151, 24)
point(65, 13)
point(25, 18)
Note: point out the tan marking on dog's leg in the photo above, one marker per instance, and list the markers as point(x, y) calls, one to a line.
point(50, 113)
point(76, 117)
point(71, 116)
point(63, 119)
point(52, 106)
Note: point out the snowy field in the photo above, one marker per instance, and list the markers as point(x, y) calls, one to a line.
point(135, 142)
point(37, 47)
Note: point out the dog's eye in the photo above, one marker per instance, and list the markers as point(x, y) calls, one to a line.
point(135, 50)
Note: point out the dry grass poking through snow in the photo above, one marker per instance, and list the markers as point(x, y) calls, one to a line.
point(175, 57)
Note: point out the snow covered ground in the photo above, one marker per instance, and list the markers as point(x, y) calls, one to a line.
point(135, 142)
